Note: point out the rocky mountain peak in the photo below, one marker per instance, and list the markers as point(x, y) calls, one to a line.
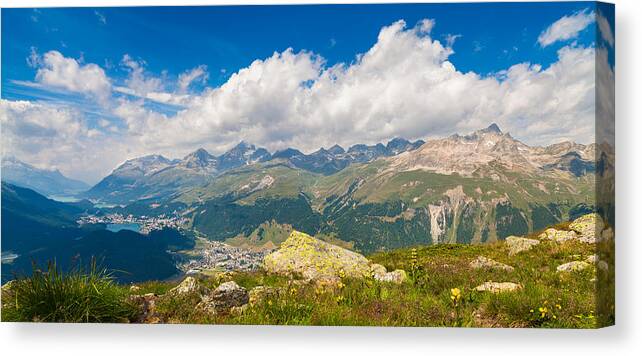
point(493, 128)
point(336, 150)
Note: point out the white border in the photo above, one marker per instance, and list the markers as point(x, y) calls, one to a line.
point(623, 339)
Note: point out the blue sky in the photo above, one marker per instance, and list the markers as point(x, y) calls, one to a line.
point(108, 84)
point(228, 38)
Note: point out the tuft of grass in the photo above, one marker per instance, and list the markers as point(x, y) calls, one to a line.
point(77, 296)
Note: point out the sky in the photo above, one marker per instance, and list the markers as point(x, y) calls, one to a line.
point(84, 89)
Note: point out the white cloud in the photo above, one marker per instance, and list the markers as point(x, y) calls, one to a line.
point(58, 71)
point(198, 74)
point(404, 85)
point(566, 28)
point(140, 83)
point(605, 29)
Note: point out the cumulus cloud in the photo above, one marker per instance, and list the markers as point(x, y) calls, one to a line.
point(566, 28)
point(404, 85)
point(58, 71)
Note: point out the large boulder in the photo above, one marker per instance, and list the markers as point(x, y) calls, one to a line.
point(482, 262)
point(498, 287)
point(589, 227)
point(302, 254)
point(518, 244)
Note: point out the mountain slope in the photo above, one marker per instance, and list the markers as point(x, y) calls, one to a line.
point(47, 182)
point(37, 229)
point(484, 187)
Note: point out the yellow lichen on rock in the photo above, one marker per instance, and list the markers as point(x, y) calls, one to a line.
point(311, 258)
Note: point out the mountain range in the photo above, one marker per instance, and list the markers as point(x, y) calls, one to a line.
point(155, 176)
point(46, 182)
point(473, 188)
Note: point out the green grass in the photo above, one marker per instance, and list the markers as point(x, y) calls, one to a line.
point(77, 296)
point(548, 299)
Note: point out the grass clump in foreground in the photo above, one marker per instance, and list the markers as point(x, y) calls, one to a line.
point(80, 295)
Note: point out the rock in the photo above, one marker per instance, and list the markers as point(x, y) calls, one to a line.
point(558, 235)
point(236, 311)
point(607, 234)
point(498, 287)
point(518, 244)
point(223, 298)
point(188, 285)
point(397, 276)
point(302, 254)
point(377, 270)
point(603, 265)
point(592, 259)
point(134, 289)
point(147, 306)
point(589, 227)
point(259, 293)
point(484, 262)
point(573, 266)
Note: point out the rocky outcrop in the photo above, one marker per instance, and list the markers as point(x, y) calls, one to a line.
point(147, 308)
point(558, 235)
point(303, 255)
point(518, 244)
point(482, 262)
point(319, 261)
point(187, 286)
point(573, 266)
point(589, 227)
point(498, 287)
point(225, 297)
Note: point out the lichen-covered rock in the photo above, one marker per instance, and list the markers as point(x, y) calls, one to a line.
point(498, 287)
point(188, 285)
point(311, 258)
point(397, 276)
point(558, 235)
point(223, 298)
point(573, 266)
point(589, 227)
point(484, 262)
point(518, 244)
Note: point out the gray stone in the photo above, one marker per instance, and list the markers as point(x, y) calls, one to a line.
point(498, 287)
point(573, 266)
point(223, 298)
point(518, 244)
point(558, 235)
point(397, 276)
point(484, 262)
